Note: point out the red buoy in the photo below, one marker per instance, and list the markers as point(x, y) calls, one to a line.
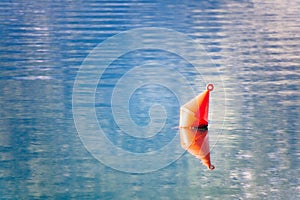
point(193, 126)
point(195, 112)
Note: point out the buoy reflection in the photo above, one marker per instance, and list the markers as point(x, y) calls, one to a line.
point(196, 142)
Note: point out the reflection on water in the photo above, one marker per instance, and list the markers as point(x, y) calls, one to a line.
point(254, 44)
point(196, 142)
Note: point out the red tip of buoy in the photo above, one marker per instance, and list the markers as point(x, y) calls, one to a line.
point(212, 167)
point(210, 87)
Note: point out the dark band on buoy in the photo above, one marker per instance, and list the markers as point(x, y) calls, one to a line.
point(210, 87)
point(201, 128)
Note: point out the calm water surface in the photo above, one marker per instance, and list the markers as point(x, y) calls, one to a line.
point(255, 50)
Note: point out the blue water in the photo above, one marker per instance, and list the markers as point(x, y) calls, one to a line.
point(254, 128)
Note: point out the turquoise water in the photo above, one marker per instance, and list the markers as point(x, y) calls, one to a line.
point(254, 118)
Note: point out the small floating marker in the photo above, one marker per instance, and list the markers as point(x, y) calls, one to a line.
point(210, 87)
point(193, 124)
